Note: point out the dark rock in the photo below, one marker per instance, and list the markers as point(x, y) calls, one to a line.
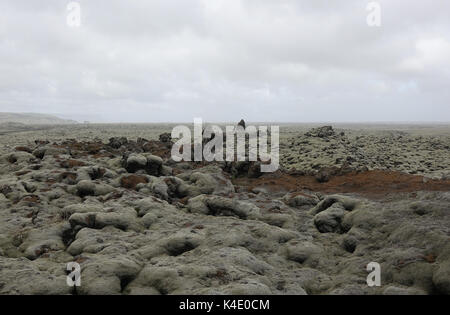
point(39, 152)
point(135, 162)
point(329, 221)
point(165, 137)
point(321, 132)
point(151, 164)
point(141, 141)
point(117, 142)
point(254, 171)
point(5, 189)
point(325, 174)
point(154, 165)
point(349, 243)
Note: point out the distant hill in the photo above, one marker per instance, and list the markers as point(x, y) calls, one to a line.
point(32, 119)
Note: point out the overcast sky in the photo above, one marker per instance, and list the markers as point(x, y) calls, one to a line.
point(223, 60)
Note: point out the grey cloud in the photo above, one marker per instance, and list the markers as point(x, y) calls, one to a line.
point(223, 60)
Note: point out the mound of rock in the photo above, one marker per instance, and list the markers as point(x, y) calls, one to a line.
point(149, 163)
point(321, 132)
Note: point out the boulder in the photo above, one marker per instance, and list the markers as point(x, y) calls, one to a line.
point(207, 180)
point(321, 132)
point(151, 164)
point(135, 162)
point(124, 219)
point(217, 206)
point(165, 137)
point(302, 251)
point(329, 220)
point(299, 200)
point(85, 188)
point(89, 188)
point(117, 142)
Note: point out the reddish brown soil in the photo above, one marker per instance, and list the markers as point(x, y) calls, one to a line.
point(375, 183)
point(24, 149)
point(158, 148)
point(131, 181)
point(32, 199)
point(72, 163)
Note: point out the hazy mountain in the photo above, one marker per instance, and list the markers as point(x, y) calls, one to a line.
point(33, 119)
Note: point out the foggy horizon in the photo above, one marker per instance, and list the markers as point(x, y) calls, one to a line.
point(80, 121)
